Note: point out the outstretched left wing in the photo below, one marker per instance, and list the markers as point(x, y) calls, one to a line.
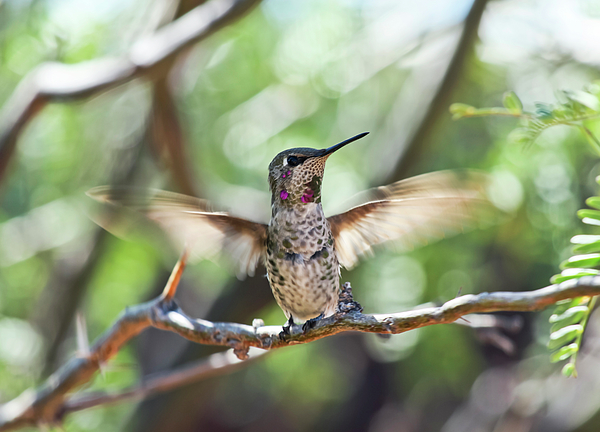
point(410, 213)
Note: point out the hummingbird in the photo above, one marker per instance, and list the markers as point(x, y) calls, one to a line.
point(302, 249)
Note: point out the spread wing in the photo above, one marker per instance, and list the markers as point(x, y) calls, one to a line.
point(411, 213)
point(191, 223)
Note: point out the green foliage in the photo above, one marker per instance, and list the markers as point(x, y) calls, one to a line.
point(571, 316)
point(568, 324)
point(571, 109)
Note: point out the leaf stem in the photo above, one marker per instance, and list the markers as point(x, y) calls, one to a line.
point(591, 138)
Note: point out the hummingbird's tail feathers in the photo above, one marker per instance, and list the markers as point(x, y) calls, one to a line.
point(412, 213)
point(190, 222)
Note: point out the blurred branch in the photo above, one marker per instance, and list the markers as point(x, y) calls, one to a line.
point(215, 364)
point(45, 405)
point(149, 57)
point(241, 301)
point(441, 99)
point(63, 294)
point(68, 285)
point(53, 81)
point(168, 135)
point(48, 405)
point(167, 132)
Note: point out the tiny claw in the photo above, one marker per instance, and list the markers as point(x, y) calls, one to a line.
point(309, 324)
point(285, 332)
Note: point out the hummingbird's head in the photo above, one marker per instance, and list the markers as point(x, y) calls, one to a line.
point(295, 175)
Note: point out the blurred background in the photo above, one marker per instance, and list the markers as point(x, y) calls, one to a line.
point(295, 73)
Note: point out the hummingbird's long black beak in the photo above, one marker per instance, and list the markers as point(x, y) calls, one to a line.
point(333, 148)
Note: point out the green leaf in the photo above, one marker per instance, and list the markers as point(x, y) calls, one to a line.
point(560, 113)
point(521, 136)
point(585, 239)
point(588, 260)
point(560, 278)
point(563, 305)
point(573, 273)
point(564, 336)
point(587, 248)
point(512, 102)
point(459, 110)
point(570, 316)
point(590, 214)
point(595, 222)
point(564, 353)
point(586, 243)
point(569, 370)
point(584, 98)
point(593, 201)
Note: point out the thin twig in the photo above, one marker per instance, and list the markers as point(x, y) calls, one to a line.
point(173, 282)
point(495, 112)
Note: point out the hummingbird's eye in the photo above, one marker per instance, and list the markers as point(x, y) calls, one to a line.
point(293, 161)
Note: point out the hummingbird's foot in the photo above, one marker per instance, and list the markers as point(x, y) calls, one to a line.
point(346, 302)
point(285, 332)
point(309, 324)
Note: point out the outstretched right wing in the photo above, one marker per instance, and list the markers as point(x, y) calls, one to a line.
point(191, 223)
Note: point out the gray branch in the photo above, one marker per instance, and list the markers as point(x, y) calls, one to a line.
point(240, 336)
point(49, 403)
point(149, 57)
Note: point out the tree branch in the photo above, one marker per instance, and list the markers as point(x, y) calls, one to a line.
point(240, 336)
point(147, 58)
point(215, 364)
point(47, 404)
point(438, 105)
point(168, 136)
